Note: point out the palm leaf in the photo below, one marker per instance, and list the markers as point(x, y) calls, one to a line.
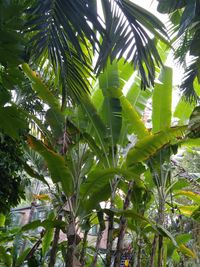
point(123, 21)
point(59, 31)
point(187, 85)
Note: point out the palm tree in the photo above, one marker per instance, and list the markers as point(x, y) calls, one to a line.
point(66, 33)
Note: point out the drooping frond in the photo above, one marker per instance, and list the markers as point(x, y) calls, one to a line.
point(168, 6)
point(60, 32)
point(66, 33)
point(126, 25)
point(187, 86)
point(184, 16)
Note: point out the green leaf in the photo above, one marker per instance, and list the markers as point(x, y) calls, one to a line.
point(183, 111)
point(111, 109)
point(183, 238)
point(97, 186)
point(56, 120)
point(34, 174)
point(181, 183)
point(175, 256)
point(131, 115)
point(31, 226)
point(46, 242)
point(149, 145)
point(40, 88)
point(137, 97)
point(190, 142)
point(97, 180)
point(131, 214)
point(196, 214)
point(97, 124)
point(12, 121)
point(5, 257)
point(5, 96)
point(186, 251)
point(166, 233)
point(55, 163)
point(187, 210)
point(2, 219)
point(162, 101)
point(48, 223)
point(48, 236)
point(22, 257)
point(191, 195)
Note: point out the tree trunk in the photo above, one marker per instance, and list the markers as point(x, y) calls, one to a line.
point(83, 251)
point(71, 236)
point(153, 252)
point(122, 227)
point(55, 245)
point(109, 240)
point(160, 238)
point(111, 224)
point(99, 237)
point(139, 253)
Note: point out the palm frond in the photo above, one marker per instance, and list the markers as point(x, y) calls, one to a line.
point(168, 6)
point(60, 32)
point(126, 25)
point(187, 86)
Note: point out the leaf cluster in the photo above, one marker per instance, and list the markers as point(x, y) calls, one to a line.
point(11, 177)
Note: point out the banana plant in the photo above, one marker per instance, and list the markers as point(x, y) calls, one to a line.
point(87, 162)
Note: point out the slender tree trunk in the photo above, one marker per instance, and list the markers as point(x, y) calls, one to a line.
point(71, 236)
point(99, 237)
point(83, 251)
point(55, 245)
point(160, 238)
point(153, 251)
point(122, 227)
point(111, 224)
point(109, 240)
point(139, 253)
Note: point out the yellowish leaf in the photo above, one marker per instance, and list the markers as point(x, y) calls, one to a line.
point(41, 197)
point(186, 251)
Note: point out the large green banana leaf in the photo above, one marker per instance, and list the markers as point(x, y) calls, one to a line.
point(40, 88)
point(55, 163)
point(97, 187)
point(137, 97)
point(162, 101)
point(183, 111)
point(132, 117)
point(111, 108)
point(149, 145)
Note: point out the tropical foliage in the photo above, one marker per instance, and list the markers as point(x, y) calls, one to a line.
point(79, 128)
